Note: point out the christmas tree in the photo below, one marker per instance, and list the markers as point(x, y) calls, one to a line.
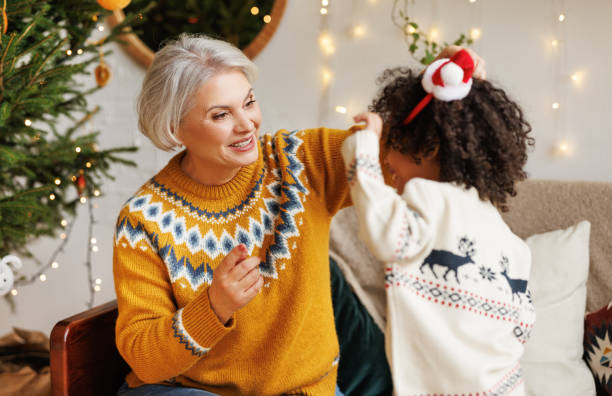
point(48, 164)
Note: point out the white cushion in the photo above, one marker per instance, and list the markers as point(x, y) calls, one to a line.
point(552, 361)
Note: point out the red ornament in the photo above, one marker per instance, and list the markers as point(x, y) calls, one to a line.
point(81, 184)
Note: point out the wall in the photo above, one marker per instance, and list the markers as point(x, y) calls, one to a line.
point(515, 41)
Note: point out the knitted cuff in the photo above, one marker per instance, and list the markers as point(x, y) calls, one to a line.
point(201, 326)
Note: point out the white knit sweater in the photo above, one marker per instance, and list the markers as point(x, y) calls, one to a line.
point(459, 311)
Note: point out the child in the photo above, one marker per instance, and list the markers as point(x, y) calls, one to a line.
point(459, 310)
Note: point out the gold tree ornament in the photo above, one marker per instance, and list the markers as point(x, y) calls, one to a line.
point(103, 72)
point(114, 5)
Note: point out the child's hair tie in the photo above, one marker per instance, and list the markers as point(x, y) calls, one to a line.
point(446, 80)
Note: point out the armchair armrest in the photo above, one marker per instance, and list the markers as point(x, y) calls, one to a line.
point(84, 358)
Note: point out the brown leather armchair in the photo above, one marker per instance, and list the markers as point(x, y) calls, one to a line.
point(84, 359)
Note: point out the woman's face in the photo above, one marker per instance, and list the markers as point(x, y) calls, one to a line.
point(220, 132)
point(404, 167)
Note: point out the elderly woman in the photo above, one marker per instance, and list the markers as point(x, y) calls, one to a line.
point(221, 259)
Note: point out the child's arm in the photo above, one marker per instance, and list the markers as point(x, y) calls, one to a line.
point(391, 229)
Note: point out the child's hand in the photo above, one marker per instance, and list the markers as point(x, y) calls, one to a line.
point(372, 120)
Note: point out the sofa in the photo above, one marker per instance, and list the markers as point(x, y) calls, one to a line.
point(568, 225)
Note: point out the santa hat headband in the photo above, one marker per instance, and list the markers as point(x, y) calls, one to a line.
point(446, 80)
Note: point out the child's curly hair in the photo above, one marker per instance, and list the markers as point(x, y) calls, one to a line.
point(481, 140)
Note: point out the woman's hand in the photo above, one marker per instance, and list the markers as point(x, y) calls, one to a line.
point(236, 281)
point(479, 63)
point(372, 120)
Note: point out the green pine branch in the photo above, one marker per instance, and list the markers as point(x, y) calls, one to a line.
point(44, 145)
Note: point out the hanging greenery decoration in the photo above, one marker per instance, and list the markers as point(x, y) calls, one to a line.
point(420, 45)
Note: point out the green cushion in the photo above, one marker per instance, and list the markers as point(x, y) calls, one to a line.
point(363, 369)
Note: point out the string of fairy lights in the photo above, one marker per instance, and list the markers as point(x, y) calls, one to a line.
point(53, 263)
point(563, 146)
point(79, 180)
point(564, 79)
point(328, 48)
point(255, 11)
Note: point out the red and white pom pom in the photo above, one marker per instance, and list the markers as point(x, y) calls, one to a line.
point(449, 79)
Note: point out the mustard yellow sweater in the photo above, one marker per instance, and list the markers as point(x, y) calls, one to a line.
point(172, 234)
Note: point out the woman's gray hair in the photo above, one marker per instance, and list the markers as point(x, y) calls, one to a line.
point(178, 70)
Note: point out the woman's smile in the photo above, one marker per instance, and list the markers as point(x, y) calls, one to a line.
point(244, 145)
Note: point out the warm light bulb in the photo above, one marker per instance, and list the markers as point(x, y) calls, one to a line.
point(62, 236)
point(58, 182)
point(472, 1)
point(564, 148)
point(325, 40)
point(324, 3)
point(94, 248)
point(576, 77)
point(475, 34)
point(341, 109)
point(97, 288)
point(94, 241)
point(358, 31)
point(14, 292)
point(83, 200)
point(410, 29)
point(43, 277)
point(434, 33)
point(323, 11)
point(254, 10)
point(68, 52)
point(88, 164)
point(77, 149)
point(51, 197)
point(326, 43)
point(27, 122)
point(54, 265)
point(64, 223)
point(555, 105)
point(267, 19)
point(554, 43)
point(98, 281)
point(100, 28)
point(326, 76)
point(561, 17)
point(97, 193)
point(80, 51)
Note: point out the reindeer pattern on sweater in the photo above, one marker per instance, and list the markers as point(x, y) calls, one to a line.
point(459, 309)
